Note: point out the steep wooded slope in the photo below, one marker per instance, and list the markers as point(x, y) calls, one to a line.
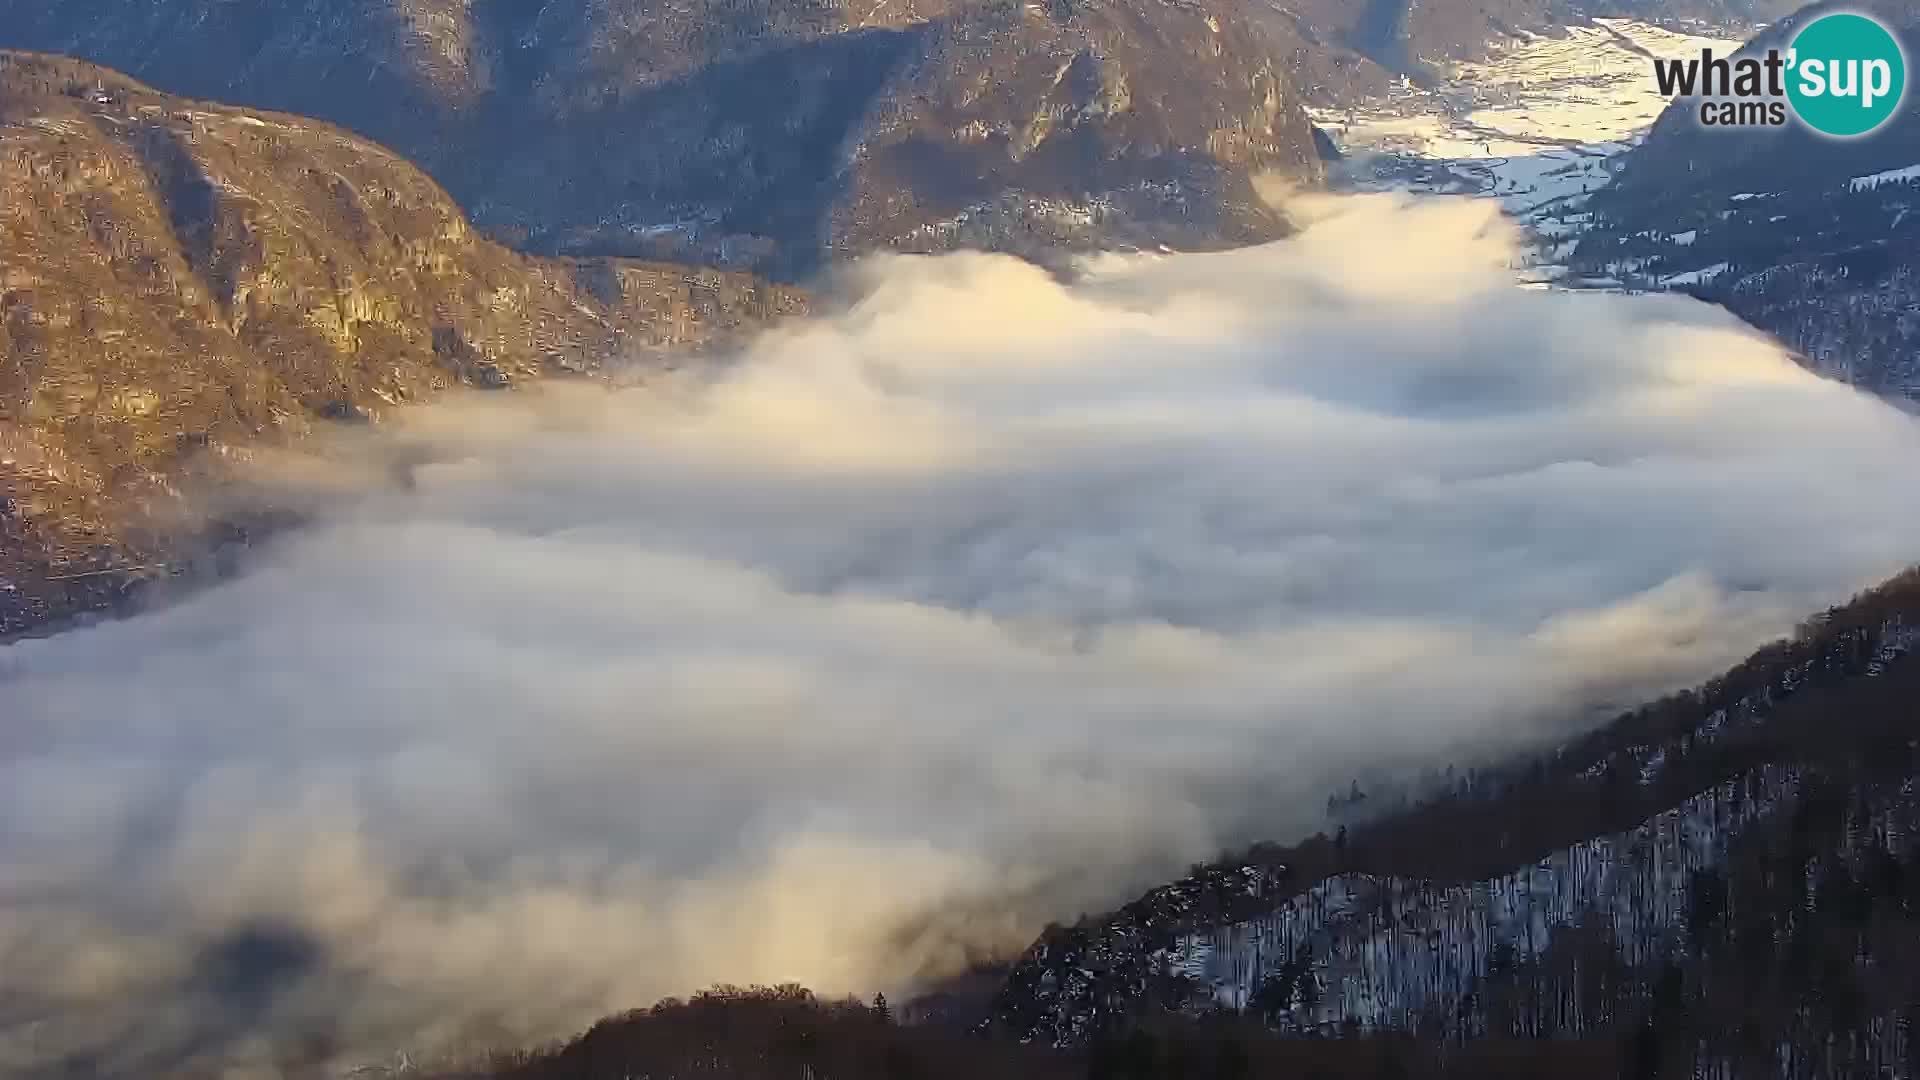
point(1724, 880)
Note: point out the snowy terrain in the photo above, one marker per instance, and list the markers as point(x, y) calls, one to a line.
point(1357, 928)
point(1402, 953)
point(1391, 952)
point(1537, 127)
point(1889, 176)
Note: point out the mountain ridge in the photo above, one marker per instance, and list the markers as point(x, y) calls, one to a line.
point(181, 281)
point(768, 135)
point(1745, 908)
point(1329, 931)
point(1809, 239)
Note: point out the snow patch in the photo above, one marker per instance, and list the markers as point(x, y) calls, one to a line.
point(1695, 277)
point(1889, 176)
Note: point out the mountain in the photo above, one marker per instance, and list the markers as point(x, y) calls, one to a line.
point(769, 134)
point(1727, 880)
point(779, 134)
point(1810, 239)
point(1723, 883)
point(181, 281)
point(785, 1031)
point(1716, 13)
point(1347, 54)
point(1343, 53)
point(1683, 161)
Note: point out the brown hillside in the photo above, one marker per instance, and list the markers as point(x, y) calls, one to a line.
point(180, 279)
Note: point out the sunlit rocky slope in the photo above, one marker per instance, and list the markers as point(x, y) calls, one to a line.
point(770, 135)
point(180, 280)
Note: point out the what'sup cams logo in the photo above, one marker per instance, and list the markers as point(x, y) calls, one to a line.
point(1843, 75)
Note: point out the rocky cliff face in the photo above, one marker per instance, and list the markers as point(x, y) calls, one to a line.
point(178, 279)
point(769, 133)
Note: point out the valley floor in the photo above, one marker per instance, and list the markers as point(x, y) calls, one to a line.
point(1538, 128)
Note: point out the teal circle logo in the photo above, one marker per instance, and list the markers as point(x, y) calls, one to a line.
point(1847, 75)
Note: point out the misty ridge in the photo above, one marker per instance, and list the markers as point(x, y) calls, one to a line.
point(980, 601)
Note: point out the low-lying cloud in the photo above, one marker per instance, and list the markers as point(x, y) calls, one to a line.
point(983, 600)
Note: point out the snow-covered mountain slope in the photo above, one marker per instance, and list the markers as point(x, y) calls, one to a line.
point(1385, 952)
point(1396, 952)
point(1726, 847)
point(1829, 267)
point(1549, 948)
point(1538, 127)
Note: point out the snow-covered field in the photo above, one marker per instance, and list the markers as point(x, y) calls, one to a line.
point(1536, 127)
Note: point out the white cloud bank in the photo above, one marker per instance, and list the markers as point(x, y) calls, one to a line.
point(982, 601)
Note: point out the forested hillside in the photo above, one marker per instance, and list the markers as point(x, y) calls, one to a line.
point(1724, 883)
point(784, 1033)
point(1722, 879)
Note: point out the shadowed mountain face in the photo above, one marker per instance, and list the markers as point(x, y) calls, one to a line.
point(779, 134)
point(1346, 51)
point(1681, 161)
point(1812, 239)
point(179, 281)
point(765, 134)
